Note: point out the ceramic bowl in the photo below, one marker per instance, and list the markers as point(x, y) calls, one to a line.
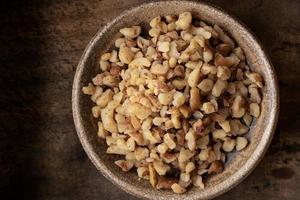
point(239, 165)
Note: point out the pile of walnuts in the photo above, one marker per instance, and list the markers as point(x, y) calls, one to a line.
point(175, 102)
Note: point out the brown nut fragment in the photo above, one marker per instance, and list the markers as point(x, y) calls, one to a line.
point(207, 54)
point(219, 134)
point(184, 21)
point(241, 143)
point(152, 175)
point(247, 119)
point(254, 94)
point(132, 32)
point(208, 108)
point(124, 165)
point(177, 188)
point(165, 183)
point(125, 54)
point(254, 110)
point(219, 87)
point(161, 168)
point(159, 69)
point(169, 141)
point(178, 99)
point(195, 98)
point(255, 78)
point(197, 181)
point(224, 49)
point(105, 98)
point(206, 85)
point(215, 167)
point(223, 73)
point(143, 172)
point(225, 126)
point(194, 77)
point(237, 108)
point(198, 127)
point(203, 142)
point(228, 145)
point(191, 139)
point(96, 110)
point(185, 110)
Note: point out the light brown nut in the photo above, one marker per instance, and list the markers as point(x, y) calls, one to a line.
point(169, 140)
point(114, 56)
point(113, 149)
point(179, 71)
point(154, 32)
point(162, 148)
point(255, 78)
point(165, 98)
point(98, 79)
point(152, 175)
point(204, 154)
point(217, 150)
point(131, 32)
point(237, 108)
point(184, 155)
point(105, 56)
point(105, 98)
point(96, 110)
point(231, 88)
point(201, 31)
point(224, 49)
point(125, 54)
point(193, 64)
point(135, 122)
point(180, 137)
point(186, 36)
point(168, 125)
point(198, 127)
point(104, 65)
point(254, 94)
point(202, 142)
point(207, 54)
point(163, 46)
point(215, 167)
point(159, 69)
point(143, 172)
point(208, 108)
point(237, 128)
point(138, 137)
point(130, 143)
point(158, 121)
point(177, 188)
point(161, 168)
point(200, 40)
point(124, 165)
point(136, 109)
point(175, 118)
point(138, 62)
point(254, 110)
point(241, 89)
point(110, 81)
point(102, 133)
point(89, 90)
point(172, 62)
point(185, 110)
point(219, 87)
point(247, 119)
point(239, 53)
point(179, 83)
point(206, 85)
point(184, 21)
point(191, 139)
point(141, 153)
point(190, 166)
point(195, 99)
point(241, 143)
point(225, 125)
point(155, 22)
point(197, 181)
point(165, 183)
point(223, 36)
point(194, 77)
point(223, 72)
point(152, 137)
point(219, 134)
point(107, 116)
point(169, 157)
point(178, 99)
point(208, 69)
point(228, 145)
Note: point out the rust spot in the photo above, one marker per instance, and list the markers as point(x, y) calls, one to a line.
point(282, 173)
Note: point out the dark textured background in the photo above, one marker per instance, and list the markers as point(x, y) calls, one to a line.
point(40, 44)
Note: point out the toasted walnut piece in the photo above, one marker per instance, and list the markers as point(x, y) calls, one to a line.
point(204, 154)
point(124, 165)
point(105, 56)
point(138, 62)
point(208, 69)
point(89, 90)
point(179, 71)
point(136, 109)
point(207, 54)
point(131, 32)
point(239, 52)
point(223, 73)
point(105, 98)
point(162, 148)
point(225, 126)
point(169, 157)
point(155, 22)
point(125, 54)
point(194, 77)
point(152, 175)
point(197, 181)
point(198, 126)
point(219, 134)
point(254, 95)
point(109, 123)
point(163, 46)
point(255, 78)
point(160, 167)
point(169, 141)
point(165, 183)
point(190, 166)
point(217, 150)
point(165, 98)
point(180, 137)
point(191, 139)
point(223, 36)
point(158, 121)
point(224, 49)
point(184, 155)
point(203, 142)
point(247, 119)
point(113, 149)
point(104, 65)
point(237, 108)
point(201, 31)
point(110, 81)
point(138, 138)
point(143, 172)
point(184, 21)
point(254, 110)
point(237, 128)
point(179, 84)
point(178, 99)
point(141, 153)
point(208, 108)
point(102, 133)
point(241, 143)
point(96, 110)
point(193, 64)
point(177, 188)
point(241, 89)
point(215, 167)
point(159, 69)
point(185, 110)
point(195, 98)
point(172, 62)
point(135, 122)
point(130, 143)
point(98, 79)
point(219, 87)
point(152, 137)
point(168, 125)
point(228, 145)
point(206, 85)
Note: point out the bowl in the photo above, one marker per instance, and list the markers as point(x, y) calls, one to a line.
point(239, 165)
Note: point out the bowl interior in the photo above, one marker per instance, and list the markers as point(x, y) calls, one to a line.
point(239, 164)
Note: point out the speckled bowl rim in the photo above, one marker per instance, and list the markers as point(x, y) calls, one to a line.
point(222, 187)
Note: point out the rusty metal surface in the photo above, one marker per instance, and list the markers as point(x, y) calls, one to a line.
point(41, 43)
